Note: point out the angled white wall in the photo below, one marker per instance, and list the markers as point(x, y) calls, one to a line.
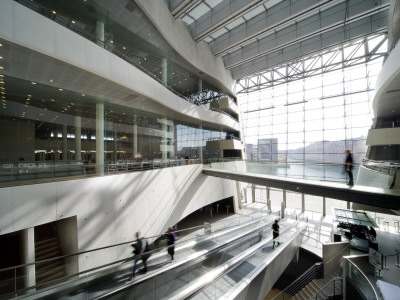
point(110, 209)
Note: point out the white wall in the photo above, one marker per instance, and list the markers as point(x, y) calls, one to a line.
point(111, 209)
point(199, 54)
point(383, 136)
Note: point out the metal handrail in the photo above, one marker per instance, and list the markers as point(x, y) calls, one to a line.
point(365, 276)
point(301, 281)
point(119, 244)
point(202, 282)
point(327, 288)
point(337, 254)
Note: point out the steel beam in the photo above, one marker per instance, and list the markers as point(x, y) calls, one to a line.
point(219, 16)
point(182, 7)
point(319, 26)
point(312, 65)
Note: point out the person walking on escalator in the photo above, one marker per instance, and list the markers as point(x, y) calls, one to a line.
point(171, 242)
point(140, 247)
point(349, 167)
point(275, 232)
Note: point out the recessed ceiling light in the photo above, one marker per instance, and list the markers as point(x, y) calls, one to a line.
point(53, 11)
point(52, 100)
point(33, 82)
point(73, 22)
point(50, 80)
point(1, 68)
point(1, 45)
point(60, 90)
point(124, 47)
point(83, 95)
point(1, 57)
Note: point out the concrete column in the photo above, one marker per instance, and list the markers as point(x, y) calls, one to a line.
point(239, 199)
point(253, 193)
point(115, 143)
point(164, 71)
point(267, 190)
point(245, 195)
point(323, 206)
point(78, 138)
point(283, 204)
point(201, 144)
point(28, 243)
point(200, 85)
point(164, 144)
point(64, 142)
point(100, 139)
point(135, 138)
point(100, 33)
point(303, 203)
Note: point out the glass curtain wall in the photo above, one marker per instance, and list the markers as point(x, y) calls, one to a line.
point(313, 119)
point(41, 123)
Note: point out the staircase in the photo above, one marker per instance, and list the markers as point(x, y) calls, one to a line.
point(308, 292)
point(47, 247)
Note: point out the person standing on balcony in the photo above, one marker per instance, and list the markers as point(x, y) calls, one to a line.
point(349, 167)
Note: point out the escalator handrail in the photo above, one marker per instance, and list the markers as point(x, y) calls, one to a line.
point(202, 282)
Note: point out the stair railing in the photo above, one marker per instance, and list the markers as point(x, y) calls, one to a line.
point(316, 271)
point(332, 288)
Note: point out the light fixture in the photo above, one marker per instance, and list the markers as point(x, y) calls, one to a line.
point(33, 82)
point(73, 22)
point(60, 89)
point(53, 11)
point(1, 68)
point(112, 42)
point(1, 45)
point(1, 57)
point(83, 95)
point(124, 47)
point(52, 100)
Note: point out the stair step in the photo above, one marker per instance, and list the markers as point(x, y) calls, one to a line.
point(314, 287)
point(45, 246)
point(49, 255)
point(44, 242)
point(49, 272)
point(47, 250)
point(301, 296)
point(52, 277)
point(306, 294)
point(48, 265)
point(309, 290)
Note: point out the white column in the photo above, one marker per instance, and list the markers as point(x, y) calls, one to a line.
point(268, 198)
point(100, 139)
point(201, 144)
point(239, 199)
point(100, 33)
point(134, 138)
point(29, 256)
point(78, 138)
point(303, 202)
point(115, 143)
point(64, 142)
point(253, 193)
point(283, 204)
point(163, 145)
point(164, 71)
